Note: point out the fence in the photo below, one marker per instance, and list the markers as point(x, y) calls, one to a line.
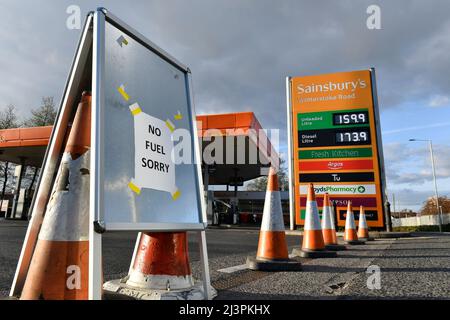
point(429, 220)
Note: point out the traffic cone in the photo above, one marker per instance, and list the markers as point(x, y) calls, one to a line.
point(350, 235)
point(59, 266)
point(272, 254)
point(363, 230)
point(313, 243)
point(161, 270)
point(328, 229)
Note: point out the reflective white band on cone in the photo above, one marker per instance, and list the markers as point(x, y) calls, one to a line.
point(272, 214)
point(69, 227)
point(350, 221)
point(350, 229)
point(327, 222)
point(363, 230)
point(312, 219)
point(362, 221)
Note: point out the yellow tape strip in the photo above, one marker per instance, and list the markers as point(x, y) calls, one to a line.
point(124, 41)
point(170, 125)
point(178, 116)
point(123, 93)
point(176, 195)
point(136, 111)
point(134, 188)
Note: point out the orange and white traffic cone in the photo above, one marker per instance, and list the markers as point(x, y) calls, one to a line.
point(350, 235)
point(272, 254)
point(328, 229)
point(59, 266)
point(363, 229)
point(160, 271)
point(313, 245)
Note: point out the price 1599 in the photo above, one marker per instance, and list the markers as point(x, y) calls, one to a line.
point(360, 117)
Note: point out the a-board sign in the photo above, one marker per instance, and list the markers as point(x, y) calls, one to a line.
point(335, 143)
point(145, 114)
point(142, 108)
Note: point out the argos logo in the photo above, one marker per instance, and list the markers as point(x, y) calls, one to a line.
point(335, 165)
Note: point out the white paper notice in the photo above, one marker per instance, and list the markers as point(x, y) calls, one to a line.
point(154, 168)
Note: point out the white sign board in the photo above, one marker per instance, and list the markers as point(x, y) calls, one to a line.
point(154, 167)
point(141, 98)
point(145, 105)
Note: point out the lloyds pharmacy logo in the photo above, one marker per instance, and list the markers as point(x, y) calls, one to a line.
point(337, 189)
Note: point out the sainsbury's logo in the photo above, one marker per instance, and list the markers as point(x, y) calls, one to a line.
point(332, 86)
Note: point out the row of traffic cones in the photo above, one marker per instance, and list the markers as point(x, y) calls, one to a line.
point(319, 239)
point(161, 268)
point(60, 260)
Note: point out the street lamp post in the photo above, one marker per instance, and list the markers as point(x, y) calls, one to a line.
point(430, 144)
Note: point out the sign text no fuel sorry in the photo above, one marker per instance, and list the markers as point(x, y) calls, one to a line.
point(157, 148)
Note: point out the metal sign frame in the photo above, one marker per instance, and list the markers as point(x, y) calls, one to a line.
point(102, 16)
point(292, 148)
point(377, 123)
point(97, 225)
point(93, 37)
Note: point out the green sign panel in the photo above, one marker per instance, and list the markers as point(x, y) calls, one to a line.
point(335, 153)
point(303, 213)
point(332, 119)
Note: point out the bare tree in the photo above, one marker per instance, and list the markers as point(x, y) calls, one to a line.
point(45, 115)
point(8, 117)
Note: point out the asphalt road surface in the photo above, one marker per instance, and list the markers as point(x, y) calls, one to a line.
point(416, 267)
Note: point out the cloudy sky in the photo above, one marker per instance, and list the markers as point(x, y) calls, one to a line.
point(241, 51)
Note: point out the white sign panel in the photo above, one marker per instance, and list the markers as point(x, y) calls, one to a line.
point(340, 189)
point(154, 167)
point(147, 103)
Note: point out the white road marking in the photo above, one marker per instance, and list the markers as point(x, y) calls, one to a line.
point(233, 269)
point(239, 267)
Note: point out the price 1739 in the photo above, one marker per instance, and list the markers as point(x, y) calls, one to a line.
point(352, 136)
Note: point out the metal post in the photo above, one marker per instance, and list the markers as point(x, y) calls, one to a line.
point(290, 156)
point(435, 185)
point(30, 189)
point(335, 215)
point(17, 188)
point(5, 180)
point(430, 144)
point(393, 202)
point(235, 202)
point(95, 239)
point(205, 266)
point(388, 216)
point(205, 191)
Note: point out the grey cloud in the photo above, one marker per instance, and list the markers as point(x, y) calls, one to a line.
point(401, 157)
point(241, 51)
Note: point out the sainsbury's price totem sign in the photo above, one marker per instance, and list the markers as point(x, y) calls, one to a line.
point(335, 143)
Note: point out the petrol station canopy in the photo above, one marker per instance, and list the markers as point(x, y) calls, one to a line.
point(24, 145)
point(239, 125)
point(28, 145)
